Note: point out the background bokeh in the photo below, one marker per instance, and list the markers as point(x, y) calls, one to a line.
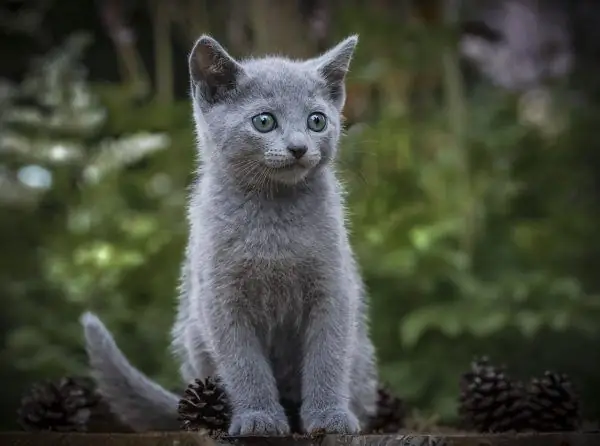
point(471, 161)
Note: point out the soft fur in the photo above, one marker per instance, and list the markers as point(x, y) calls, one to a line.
point(271, 298)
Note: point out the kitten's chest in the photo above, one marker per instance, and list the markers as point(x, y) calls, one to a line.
point(277, 292)
point(288, 239)
point(275, 252)
point(283, 260)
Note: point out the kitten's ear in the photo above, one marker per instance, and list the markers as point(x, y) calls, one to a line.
point(212, 69)
point(333, 66)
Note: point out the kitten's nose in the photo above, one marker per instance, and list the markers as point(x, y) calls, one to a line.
point(298, 151)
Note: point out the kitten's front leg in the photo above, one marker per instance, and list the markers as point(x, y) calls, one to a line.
point(243, 367)
point(327, 363)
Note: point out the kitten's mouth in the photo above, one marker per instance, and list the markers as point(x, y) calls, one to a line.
point(289, 173)
point(289, 167)
point(293, 166)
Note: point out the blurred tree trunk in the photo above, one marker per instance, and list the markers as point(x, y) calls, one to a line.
point(123, 36)
point(239, 30)
point(317, 15)
point(427, 77)
point(192, 18)
point(277, 27)
point(163, 50)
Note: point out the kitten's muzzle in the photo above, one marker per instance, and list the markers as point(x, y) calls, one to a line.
point(298, 151)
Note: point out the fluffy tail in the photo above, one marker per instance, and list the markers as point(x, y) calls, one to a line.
point(140, 403)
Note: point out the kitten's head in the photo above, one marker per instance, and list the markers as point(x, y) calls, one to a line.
point(269, 118)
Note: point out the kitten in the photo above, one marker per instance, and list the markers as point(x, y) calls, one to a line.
point(271, 297)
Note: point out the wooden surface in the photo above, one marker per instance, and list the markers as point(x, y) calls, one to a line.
point(191, 439)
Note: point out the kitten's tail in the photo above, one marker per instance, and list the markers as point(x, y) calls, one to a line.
point(139, 403)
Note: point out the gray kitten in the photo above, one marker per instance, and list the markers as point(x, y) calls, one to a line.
point(271, 298)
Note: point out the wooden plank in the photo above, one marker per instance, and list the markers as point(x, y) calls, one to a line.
point(192, 439)
point(77, 439)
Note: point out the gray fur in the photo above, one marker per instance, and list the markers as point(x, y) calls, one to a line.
point(271, 298)
point(137, 401)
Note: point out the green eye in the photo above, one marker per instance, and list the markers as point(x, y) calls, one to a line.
point(264, 122)
point(317, 122)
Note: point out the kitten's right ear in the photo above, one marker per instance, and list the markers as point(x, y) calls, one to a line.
point(333, 66)
point(212, 69)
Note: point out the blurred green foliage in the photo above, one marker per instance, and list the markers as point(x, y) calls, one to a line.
point(476, 234)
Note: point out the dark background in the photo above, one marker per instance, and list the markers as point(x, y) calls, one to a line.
point(473, 202)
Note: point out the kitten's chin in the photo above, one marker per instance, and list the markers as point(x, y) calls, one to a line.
point(290, 175)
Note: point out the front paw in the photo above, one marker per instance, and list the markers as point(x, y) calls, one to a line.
point(259, 423)
point(331, 421)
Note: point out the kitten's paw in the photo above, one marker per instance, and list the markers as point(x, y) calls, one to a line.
point(331, 421)
point(259, 423)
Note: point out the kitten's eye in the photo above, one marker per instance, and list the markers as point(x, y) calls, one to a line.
point(264, 122)
point(317, 122)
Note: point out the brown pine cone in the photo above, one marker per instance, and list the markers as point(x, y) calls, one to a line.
point(391, 413)
point(205, 406)
point(65, 405)
point(490, 401)
point(554, 404)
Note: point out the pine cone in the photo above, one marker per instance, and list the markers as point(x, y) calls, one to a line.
point(205, 406)
point(390, 415)
point(553, 403)
point(63, 406)
point(490, 401)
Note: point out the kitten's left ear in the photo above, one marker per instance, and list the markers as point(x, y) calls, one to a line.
point(212, 69)
point(333, 66)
